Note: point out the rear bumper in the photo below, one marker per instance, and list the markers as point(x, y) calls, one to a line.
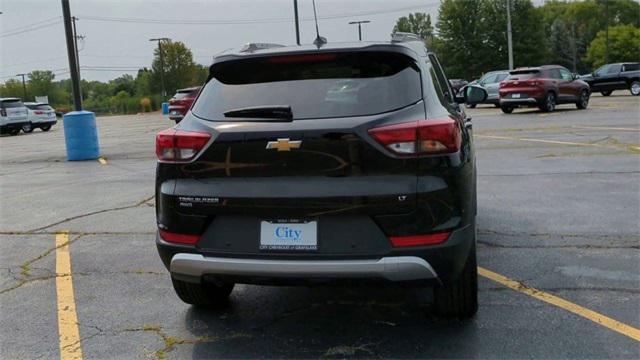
point(515, 102)
point(192, 267)
point(39, 124)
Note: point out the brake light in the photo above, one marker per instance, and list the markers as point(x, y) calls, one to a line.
point(419, 240)
point(186, 239)
point(38, 112)
point(422, 137)
point(532, 83)
point(180, 145)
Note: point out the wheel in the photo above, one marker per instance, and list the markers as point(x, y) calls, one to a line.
point(46, 128)
point(471, 106)
point(583, 101)
point(548, 104)
point(506, 109)
point(460, 297)
point(635, 88)
point(14, 132)
point(606, 93)
point(27, 128)
point(203, 294)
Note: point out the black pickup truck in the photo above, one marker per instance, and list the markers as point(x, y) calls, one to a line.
point(618, 76)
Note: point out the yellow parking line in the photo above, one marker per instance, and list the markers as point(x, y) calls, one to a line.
point(547, 141)
point(605, 128)
point(68, 333)
point(598, 318)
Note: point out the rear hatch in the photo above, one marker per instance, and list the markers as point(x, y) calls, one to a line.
point(521, 78)
point(41, 113)
point(289, 140)
point(14, 110)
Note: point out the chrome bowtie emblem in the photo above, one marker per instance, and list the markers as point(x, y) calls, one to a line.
point(284, 144)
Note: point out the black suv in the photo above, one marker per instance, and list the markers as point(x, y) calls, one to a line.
point(314, 165)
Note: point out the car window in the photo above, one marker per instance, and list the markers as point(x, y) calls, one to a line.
point(613, 69)
point(501, 77)
point(523, 74)
point(566, 75)
point(489, 79)
point(631, 67)
point(554, 74)
point(39, 107)
point(6, 104)
point(442, 80)
point(313, 85)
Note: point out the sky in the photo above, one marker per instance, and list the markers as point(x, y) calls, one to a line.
point(117, 31)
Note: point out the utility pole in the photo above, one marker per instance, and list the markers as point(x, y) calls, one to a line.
point(24, 86)
point(75, 47)
point(359, 27)
point(73, 65)
point(160, 40)
point(606, 46)
point(295, 11)
point(509, 41)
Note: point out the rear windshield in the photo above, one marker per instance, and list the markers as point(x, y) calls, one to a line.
point(185, 93)
point(39, 107)
point(523, 74)
point(313, 85)
point(6, 104)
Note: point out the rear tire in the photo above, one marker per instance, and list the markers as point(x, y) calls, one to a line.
point(583, 100)
point(459, 299)
point(634, 87)
point(471, 106)
point(506, 109)
point(27, 128)
point(14, 132)
point(548, 104)
point(606, 93)
point(46, 128)
point(203, 294)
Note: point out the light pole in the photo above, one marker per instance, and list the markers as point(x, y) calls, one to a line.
point(295, 11)
point(71, 53)
point(24, 86)
point(359, 27)
point(509, 41)
point(160, 40)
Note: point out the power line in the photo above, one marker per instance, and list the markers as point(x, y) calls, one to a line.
point(34, 28)
point(30, 25)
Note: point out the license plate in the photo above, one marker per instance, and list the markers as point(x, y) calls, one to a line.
point(516, 96)
point(289, 235)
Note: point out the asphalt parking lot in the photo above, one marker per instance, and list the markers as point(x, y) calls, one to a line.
point(559, 255)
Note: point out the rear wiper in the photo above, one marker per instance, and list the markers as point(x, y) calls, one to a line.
point(263, 113)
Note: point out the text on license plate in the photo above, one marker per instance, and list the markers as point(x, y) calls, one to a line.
point(279, 235)
point(516, 96)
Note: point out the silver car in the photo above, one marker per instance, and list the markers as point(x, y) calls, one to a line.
point(491, 83)
point(13, 115)
point(41, 115)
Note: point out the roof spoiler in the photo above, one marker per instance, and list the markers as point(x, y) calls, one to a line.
point(251, 47)
point(404, 37)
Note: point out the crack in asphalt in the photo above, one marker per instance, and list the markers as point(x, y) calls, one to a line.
point(582, 246)
point(564, 173)
point(561, 235)
point(140, 203)
point(20, 233)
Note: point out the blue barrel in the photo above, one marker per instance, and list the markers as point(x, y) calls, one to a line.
point(81, 135)
point(165, 108)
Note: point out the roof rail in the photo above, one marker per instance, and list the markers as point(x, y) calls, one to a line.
point(404, 37)
point(251, 47)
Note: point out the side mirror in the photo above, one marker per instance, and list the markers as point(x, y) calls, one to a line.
point(471, 94)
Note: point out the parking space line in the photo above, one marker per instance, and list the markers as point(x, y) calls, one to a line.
point(548, 141)
point(102, 160)
point(68, 333)
point(598, 318)
point(605, 128)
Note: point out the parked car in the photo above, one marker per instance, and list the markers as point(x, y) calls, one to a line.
point(544, 87)
point(13, 116)
point(618, 76)
point(181, 102)
point(40, 115)
point(457, 84)
point(491, 83)
point(272, 178)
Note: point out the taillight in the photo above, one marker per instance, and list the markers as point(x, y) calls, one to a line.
point(422, 137)
point(186, 239)
point(419, 240)
point(38, 112)
point(180, 145)
point(532, 82)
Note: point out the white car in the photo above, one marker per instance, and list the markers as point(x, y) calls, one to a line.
point(41, 115)
point(13, 116)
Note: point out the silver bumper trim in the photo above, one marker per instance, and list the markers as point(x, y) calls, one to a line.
point(397, 268)
point(523, 100)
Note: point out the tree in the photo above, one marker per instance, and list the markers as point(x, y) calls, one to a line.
point(11, 88)
point(624, 45)
point(143, 82)
point(418, 23)
point(179, 67)
point(41, 83)
point(124, 83)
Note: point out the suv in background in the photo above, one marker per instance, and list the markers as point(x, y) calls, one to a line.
point(619, 76)
point(13, 116)
point(277, 176)
point(181, 102)
point(41, 115)
point(544, 87)
point(491, 83)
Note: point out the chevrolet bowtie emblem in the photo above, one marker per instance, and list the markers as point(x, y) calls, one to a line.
point(284, 144)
